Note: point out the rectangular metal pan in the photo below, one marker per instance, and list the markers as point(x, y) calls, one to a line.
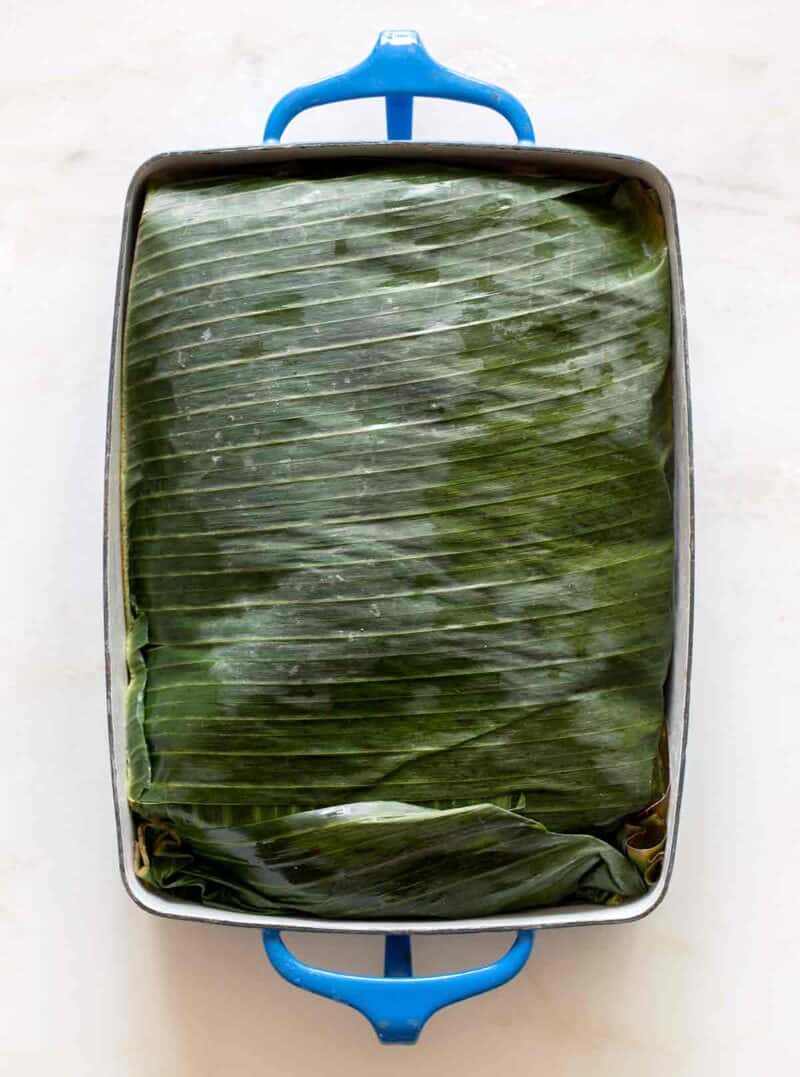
point(519, 159)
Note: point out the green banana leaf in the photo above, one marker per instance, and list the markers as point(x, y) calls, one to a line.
point(398, 539)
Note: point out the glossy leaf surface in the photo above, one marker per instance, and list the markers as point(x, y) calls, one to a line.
point(399, 538)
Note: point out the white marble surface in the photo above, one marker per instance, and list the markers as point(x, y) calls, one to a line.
point(707, 985)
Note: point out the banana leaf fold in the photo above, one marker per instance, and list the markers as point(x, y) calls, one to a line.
point(398, 540)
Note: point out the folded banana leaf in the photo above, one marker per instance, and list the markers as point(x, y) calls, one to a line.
point(398, 539)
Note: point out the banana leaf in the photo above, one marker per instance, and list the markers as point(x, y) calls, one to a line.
point(398, 539)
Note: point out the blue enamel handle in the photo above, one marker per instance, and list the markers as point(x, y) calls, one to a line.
point(398, 1004)
point(399, 68)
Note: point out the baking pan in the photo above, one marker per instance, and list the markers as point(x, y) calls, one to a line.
point(399, 68)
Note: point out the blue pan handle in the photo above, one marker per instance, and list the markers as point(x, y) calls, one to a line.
point(399, 68)
point(398, 1004)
